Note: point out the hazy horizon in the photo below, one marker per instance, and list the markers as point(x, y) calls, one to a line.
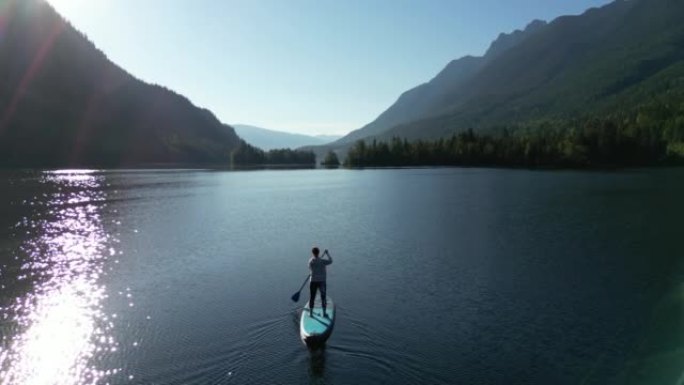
point(312, 68)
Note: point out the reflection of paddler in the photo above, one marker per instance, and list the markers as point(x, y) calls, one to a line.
point(317, 268)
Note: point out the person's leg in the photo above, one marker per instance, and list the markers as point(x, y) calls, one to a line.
point(312, 295)
point(323, 289)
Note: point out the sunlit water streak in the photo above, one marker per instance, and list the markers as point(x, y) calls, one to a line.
point(60, 325)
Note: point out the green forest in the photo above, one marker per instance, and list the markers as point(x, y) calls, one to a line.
point(651, 135)
point(247, 155)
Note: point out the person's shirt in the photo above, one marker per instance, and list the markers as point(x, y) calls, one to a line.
point(317, 268)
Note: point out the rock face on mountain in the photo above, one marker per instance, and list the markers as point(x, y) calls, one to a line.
point(606, 59)
point(63, 103)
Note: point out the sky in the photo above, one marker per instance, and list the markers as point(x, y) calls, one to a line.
point(301, 66)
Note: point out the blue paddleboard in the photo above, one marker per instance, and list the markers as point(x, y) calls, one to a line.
point(315, 329)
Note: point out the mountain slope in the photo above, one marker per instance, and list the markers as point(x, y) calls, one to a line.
point(270, 139)
point(65, 104)
point(607, 59)
point(424, 99)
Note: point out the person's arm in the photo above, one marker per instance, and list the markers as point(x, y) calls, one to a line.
point(329, 260)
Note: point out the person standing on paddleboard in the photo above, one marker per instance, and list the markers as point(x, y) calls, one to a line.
point(317, 268)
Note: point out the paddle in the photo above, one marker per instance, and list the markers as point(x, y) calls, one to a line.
point(295, 296)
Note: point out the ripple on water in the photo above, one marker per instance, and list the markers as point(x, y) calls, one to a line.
point(59, 326)
point(247, 355)
point(376, 353)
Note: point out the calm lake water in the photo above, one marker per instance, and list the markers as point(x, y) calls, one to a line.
point(441, 276)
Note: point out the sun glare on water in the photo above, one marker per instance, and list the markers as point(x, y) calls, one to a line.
point(59, 323)
point(57, 341)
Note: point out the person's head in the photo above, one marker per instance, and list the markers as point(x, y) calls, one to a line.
point(315, 251)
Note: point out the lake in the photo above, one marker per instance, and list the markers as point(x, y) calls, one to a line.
point(441, 276)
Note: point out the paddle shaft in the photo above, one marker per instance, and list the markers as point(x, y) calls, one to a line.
point(295, 296)
point(303, 283)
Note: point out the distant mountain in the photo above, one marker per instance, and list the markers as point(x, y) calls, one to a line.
point(607, 59)
point(63, 103)
point(270, 139)
point(328, 138)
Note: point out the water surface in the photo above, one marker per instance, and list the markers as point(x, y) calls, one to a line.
point(441, 276)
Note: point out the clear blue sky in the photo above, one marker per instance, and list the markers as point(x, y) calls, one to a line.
point(307, 66)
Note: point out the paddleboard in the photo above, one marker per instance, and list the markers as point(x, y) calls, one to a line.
point(315, 329)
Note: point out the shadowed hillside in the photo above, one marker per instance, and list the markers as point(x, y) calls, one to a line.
point(616, 60)
point(422, 100)
point(63, 103)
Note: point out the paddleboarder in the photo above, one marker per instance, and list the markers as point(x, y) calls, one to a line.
point(317, 267)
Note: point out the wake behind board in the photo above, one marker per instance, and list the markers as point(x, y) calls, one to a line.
point(315, 329)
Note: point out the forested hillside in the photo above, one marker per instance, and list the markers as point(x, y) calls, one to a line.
point(602, 88)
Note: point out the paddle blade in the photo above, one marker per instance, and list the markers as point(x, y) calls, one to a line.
point(295, 297)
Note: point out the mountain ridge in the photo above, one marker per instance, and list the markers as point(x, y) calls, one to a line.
point(69, 105)
point(419, 100)
point(591, 63)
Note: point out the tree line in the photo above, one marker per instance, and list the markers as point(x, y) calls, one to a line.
point(247, 155)
point(652, 135)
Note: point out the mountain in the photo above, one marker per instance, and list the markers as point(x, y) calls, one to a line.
point(63, 103)
point(328, 138)
point(270, 139)
point(607, 59)
point(424, 99)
